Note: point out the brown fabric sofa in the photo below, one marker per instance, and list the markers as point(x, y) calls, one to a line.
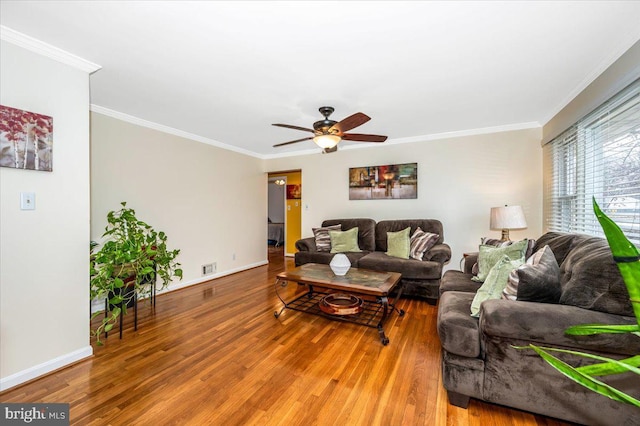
point(419, 278)
point(478, 358)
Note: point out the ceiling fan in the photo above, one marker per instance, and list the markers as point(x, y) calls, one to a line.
point(328, 133)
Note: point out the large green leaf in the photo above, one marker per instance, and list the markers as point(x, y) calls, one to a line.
point(584, 379)
point(590, 329)
point(625, 254)
point(609, 368)
point(621, 363)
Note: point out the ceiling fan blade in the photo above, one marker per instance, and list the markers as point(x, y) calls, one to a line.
point(330, 150)
point(290, 142)
point(289, 126)
point(355, 120)
point(356, 137)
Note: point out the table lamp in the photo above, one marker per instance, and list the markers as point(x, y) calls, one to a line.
point(506, 218)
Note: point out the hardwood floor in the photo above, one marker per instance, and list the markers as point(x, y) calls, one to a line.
point(213, 354)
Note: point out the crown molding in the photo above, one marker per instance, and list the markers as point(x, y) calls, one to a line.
point(424, 138)
point(45, 49)
point(468, 132)
point(170, 130)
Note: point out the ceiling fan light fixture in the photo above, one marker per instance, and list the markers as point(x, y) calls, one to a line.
point(327, 141)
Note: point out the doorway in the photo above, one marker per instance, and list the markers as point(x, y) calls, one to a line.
point(285, 209)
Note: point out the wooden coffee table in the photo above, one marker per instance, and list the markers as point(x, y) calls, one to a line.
point(371, 287)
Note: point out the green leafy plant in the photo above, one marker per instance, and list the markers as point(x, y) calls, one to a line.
point(131, 259)
point(628, 260)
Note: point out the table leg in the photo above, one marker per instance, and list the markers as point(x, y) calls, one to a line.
point(385, 312)
point(384, 339)
point(393, 305)
point(282, 283)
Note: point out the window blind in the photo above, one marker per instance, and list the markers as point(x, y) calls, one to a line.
point(597, 156)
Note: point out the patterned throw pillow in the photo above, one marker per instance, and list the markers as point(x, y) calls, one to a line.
point(538, 280)
point(421, 242)
point(495, 282)
point(490, 255)
point(323, 240)
point(500, 243)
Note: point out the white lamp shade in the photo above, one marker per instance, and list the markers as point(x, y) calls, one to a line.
point(327, 141)
point(507, 217)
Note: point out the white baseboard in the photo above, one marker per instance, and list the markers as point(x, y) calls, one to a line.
point(97, 305)
point(44, 368)
point(180, 284)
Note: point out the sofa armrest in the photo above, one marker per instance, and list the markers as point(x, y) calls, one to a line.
point(440, 253)
point(544, 324)
point(470, 259)
point(306, 244)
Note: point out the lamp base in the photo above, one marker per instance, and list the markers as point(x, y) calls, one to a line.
point(505, 235)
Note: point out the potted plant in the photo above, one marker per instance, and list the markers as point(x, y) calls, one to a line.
point(129, 262)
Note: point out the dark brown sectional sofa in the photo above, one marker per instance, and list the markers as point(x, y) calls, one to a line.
point(478, 358)
point(419, 278)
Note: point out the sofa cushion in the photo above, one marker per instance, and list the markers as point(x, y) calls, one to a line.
point(409, 268)
point(344, 241)
point(398, 243)
point(453, 280)
point(545, 324)
point(490, 255)
point(458, 331)
point(366, 230)
point(428, 225)
point(560, 243)
point(323, 239)
point(421, 242)
point(591, 279)
point(496, 282)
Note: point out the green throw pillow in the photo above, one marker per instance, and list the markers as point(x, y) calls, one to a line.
point(344, 241)
point(490, 255)
point(398, 243)
point(496, 282)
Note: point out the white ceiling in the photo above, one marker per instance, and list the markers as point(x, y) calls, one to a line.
point(225, 71)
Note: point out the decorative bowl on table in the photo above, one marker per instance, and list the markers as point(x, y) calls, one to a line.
point(340, 304)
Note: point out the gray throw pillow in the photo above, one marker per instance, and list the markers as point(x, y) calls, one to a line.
point(536, 281)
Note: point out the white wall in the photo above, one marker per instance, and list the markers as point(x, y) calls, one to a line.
point(211, 203)
point(44, 282)
point(459, 180)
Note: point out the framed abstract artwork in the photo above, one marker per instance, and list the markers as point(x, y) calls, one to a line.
point(395, 181)
point(26, 139)
point(294, 192)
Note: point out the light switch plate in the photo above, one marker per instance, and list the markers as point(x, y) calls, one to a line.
point(27, 201)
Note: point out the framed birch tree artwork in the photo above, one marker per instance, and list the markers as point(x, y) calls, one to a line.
point(26, 139)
